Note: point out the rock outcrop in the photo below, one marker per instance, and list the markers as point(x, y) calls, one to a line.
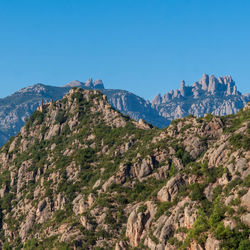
point(168, 192)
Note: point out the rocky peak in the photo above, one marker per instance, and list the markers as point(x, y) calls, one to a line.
point(204, 81)
point(213, 84)
point(89, 83)
point(74, 83)
point(157, 99)
point(183, 88)
point(38, 88)
point(98, 84)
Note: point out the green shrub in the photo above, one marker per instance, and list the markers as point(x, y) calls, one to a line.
point(185, 127)
point(222, 232)
point(174, 241)
point(31, 244)
point(216, 192)
point(65, 130)
point(85, 156)
point(232, 184)
point(235, 121)
point(208, 117)
point(60, 215)
point(246, 182)
point(200, 226)
point(217, 213)
point(162, 208)
point(240, 141)
point(197, 192)
point(173, 170)
point(142, 209)
point(37, 116)
point(244, 244)
point(77, 96)
point(60, 117)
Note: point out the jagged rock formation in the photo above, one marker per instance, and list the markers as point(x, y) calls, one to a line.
point(89, 84)
point(209, 95)
point(80, 175)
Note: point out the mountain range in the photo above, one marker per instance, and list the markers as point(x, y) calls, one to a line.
point(81, 175)
point(209, 95)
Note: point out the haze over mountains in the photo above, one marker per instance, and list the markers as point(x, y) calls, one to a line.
point(208, 95)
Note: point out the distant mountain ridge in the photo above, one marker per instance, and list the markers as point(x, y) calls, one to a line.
point(209, 95)
point(90, 84)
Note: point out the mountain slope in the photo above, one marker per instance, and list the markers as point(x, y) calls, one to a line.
point(80, 175)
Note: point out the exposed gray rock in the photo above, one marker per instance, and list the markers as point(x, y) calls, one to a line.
point(245, 200)
point(143, 167)
point(246, 219)
point(195, 146)
point(138, 222)
point(27, 225)
point(168, 192)
point(121, 245)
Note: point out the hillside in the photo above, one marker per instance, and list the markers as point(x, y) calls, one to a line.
point(80, 175)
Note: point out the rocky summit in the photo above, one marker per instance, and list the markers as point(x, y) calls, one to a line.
point(80, 175)
point(209, 95)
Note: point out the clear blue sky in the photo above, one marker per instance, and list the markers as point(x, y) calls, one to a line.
point(144, 46)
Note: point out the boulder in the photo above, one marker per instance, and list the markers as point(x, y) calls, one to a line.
point(245, 200)
point(168, 192)
point(143, 167)
point(246, 219)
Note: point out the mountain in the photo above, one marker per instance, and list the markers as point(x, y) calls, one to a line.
point(15, 109)
point(80, 175)
point(218, 96)
point(209, 95)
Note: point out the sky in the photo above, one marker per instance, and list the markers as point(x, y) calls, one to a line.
point(143, 46)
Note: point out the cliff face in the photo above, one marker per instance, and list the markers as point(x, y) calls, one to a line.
point(218, 96)
point(80, 175)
